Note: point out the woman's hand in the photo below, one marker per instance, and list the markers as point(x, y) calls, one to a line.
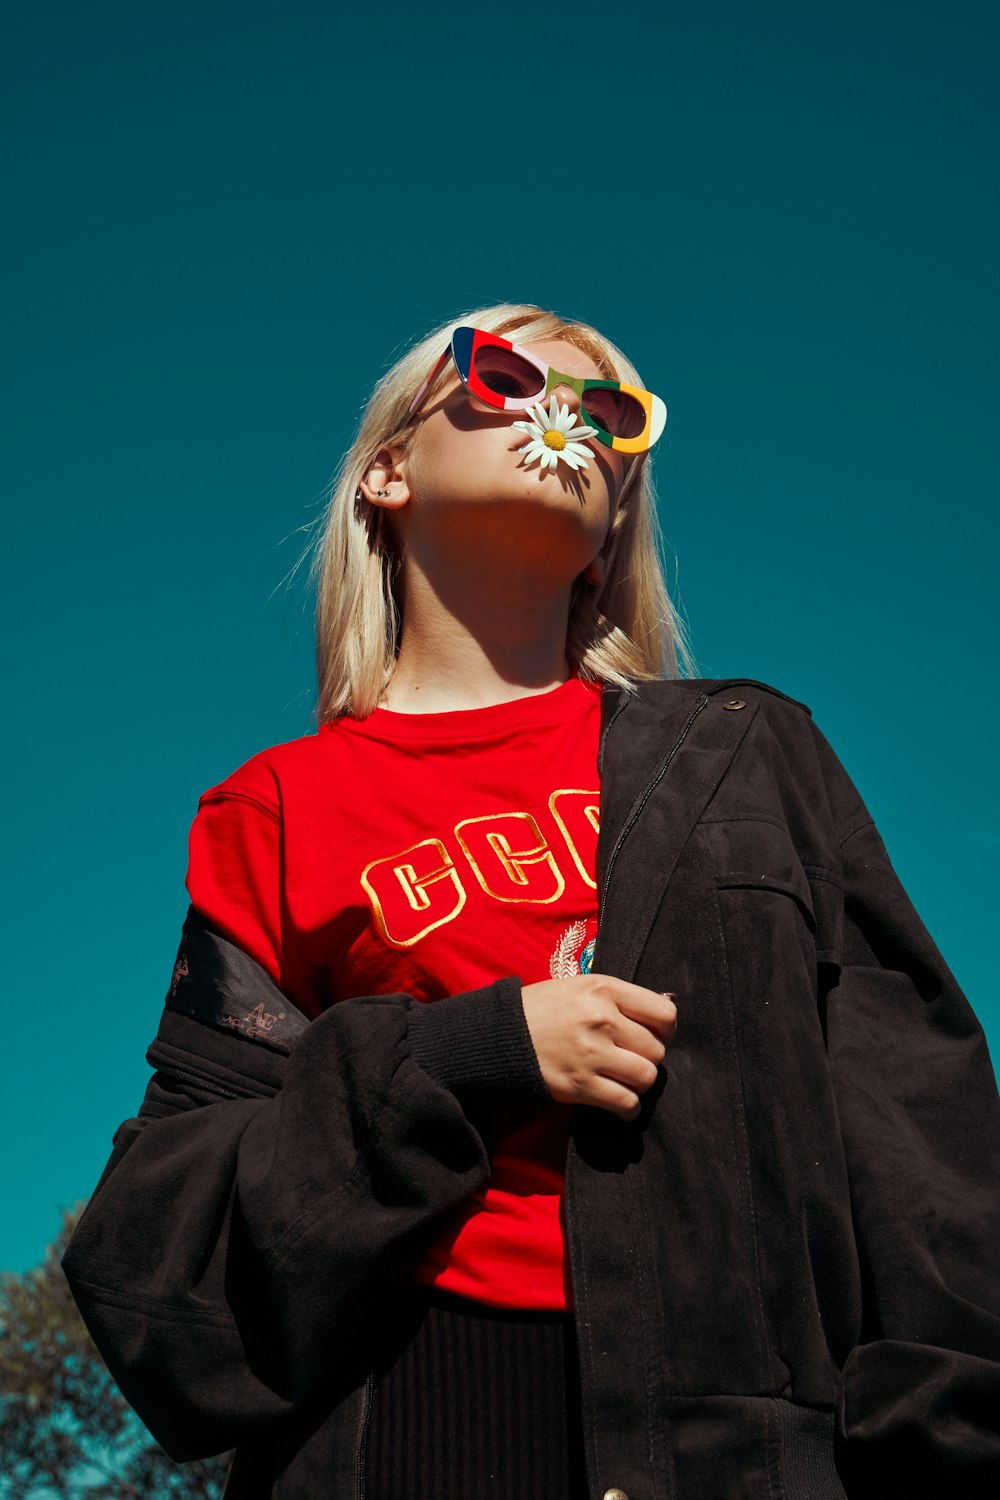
point(598, 1039)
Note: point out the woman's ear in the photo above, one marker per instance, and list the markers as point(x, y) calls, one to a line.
point(385, 483)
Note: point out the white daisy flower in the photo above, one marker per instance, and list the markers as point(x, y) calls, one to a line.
point(554, 435)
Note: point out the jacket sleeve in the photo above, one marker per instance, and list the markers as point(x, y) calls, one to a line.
point(919, 1408)
point(279, 1172)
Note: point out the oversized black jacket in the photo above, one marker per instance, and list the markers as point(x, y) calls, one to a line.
point(788, 1258)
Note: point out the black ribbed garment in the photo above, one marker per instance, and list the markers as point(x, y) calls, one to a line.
point(476, 1403)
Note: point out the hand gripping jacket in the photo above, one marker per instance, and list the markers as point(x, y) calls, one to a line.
point(784, 1271)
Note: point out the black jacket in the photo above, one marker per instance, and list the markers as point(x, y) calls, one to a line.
point(788, 1258)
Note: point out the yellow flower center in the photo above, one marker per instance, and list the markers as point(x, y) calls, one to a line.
point(554, 439)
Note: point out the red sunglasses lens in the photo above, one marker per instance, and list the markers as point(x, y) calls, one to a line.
point(506, 374)
point(616, 411)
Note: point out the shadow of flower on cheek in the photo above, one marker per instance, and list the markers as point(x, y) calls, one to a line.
point(574, 481)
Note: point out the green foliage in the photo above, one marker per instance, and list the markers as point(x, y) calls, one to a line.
point(65, 1431)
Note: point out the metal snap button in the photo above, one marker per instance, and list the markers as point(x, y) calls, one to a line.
point(735, 703)
point(615, 1494)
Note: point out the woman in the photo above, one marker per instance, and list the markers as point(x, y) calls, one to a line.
point(418, 1202)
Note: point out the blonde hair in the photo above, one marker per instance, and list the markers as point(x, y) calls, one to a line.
point(622, 632)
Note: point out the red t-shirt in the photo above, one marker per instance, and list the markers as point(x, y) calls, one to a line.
point(427, 854)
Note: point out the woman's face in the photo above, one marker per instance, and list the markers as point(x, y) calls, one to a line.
point(468, 484)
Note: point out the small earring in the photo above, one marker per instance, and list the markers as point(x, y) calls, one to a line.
point(381, 492)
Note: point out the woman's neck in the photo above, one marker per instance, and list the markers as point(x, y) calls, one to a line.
point(477, 646)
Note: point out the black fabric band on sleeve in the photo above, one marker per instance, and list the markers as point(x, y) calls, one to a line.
point(216, 981)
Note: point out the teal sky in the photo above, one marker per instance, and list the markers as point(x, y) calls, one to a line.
point(223, 220)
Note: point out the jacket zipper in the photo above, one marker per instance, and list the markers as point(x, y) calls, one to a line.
point(640, 802)
point(363, 1440)
point(202, 1083)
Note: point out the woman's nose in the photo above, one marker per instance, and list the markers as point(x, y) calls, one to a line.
point(567, 396)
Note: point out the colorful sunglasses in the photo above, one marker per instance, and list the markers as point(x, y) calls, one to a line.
point(509, 377)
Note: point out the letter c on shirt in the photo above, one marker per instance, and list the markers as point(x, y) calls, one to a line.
point(413, 892)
